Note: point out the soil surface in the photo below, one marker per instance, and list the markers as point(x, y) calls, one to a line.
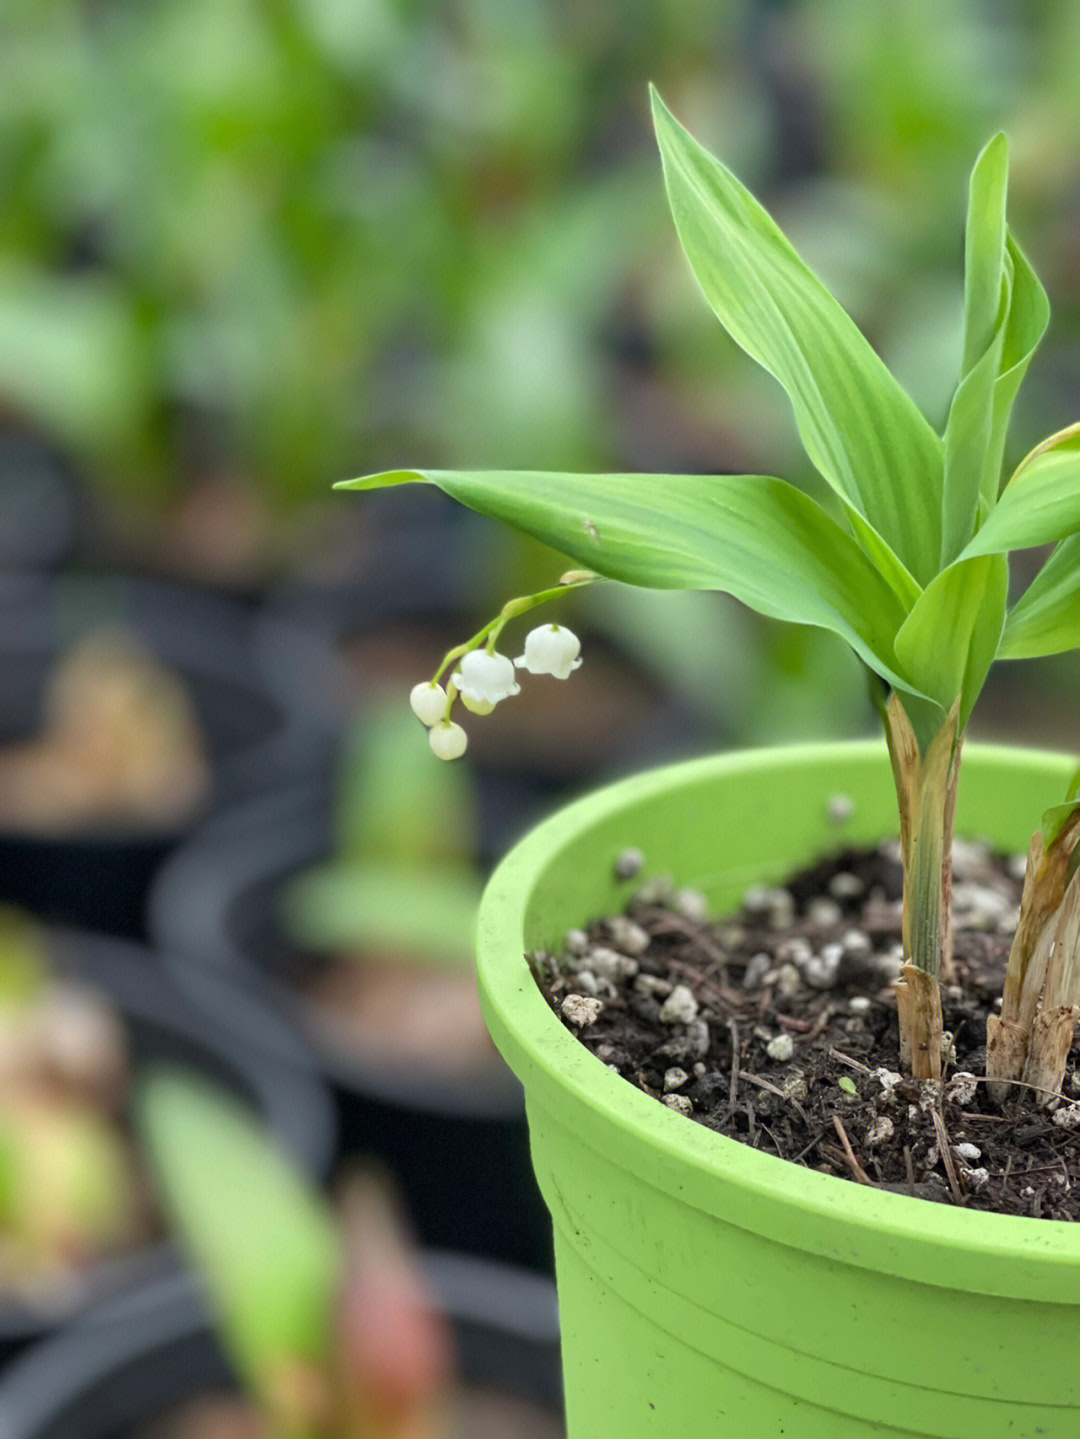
point(776, 1026)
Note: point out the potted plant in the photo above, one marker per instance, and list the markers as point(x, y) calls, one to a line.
point(348, 902)
point(701, 1280)
point(80, 1015)
point(149, 1362)
point(128, 710)
point(327, 1319)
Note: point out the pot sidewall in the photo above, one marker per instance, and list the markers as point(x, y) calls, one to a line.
point(703, 1284)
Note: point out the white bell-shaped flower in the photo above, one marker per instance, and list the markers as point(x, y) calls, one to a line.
point(477, 707)
point(550, 650)
point(447, 740)
point(428, 701)
point(484, 678)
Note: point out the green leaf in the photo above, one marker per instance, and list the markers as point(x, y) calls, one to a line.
point(260, 1233)
point(859, 427)
point(984, 250)
point(950, 638)
point(1029, 315)
point(75, 360)
point(1041, 502)
point(1005, 316)
point(898, 577)
point(1046, 618)
point(387, 808)
point(987, 286)
point(1056, 818)
point(968, 437)
point(754, 537)
point(426, 914)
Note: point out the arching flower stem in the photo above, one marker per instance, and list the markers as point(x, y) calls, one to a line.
point(488, 636)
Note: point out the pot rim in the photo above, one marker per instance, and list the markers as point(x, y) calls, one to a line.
point(858, 1224)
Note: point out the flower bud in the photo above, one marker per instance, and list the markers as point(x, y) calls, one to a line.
point(485, 678)
point(447, 740)
point(550, 650)
point(428, 701)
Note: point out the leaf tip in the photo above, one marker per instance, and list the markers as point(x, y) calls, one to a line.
point(997, 144)
point(380, 480)
point(660, 112)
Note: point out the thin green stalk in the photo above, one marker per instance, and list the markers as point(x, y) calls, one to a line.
point(488, 635)
point(926, 794)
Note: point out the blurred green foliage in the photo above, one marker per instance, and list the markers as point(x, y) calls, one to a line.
point(402, 882)
point(295, 240)
point(278, 236)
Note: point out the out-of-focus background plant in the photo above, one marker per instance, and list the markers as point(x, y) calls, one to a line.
point(248, 249)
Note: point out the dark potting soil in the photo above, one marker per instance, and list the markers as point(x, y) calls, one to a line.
point(776, 1026)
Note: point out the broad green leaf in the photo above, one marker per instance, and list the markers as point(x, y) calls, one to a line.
point(754, 537)
point(1041, 502)
point(859, 427)
point(260, 1233)
point(424, 915)
point(903, 584)
point(987, 286)
point(1046, 618)
point(950, 638)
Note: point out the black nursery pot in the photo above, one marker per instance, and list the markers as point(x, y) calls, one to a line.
point(456, 1143)
point(133, 1361)
point(40, 506)
point(267, 698)
point(226, 1035)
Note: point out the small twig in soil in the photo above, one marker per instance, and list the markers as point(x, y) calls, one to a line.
point(674, 924)
point(775, 1142)
point(733, 1087)
point(819, 1024)
point(701, 979)
point(855, 1064)
point(945, 1149)
point(797, 1026)
point(849, 1154)
point(813, 1143)
point(1022, 1084)
point(909, 1166)
point(775, 1089)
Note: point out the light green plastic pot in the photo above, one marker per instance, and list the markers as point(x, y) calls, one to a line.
point(706, 1289)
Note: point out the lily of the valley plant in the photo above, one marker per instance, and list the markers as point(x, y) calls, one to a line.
point(910, 565)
